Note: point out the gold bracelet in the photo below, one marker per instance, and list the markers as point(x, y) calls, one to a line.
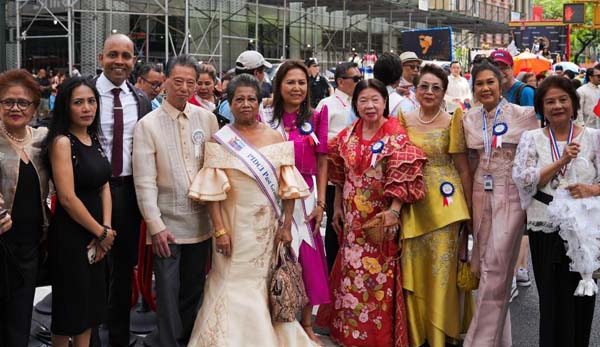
point(220, 233)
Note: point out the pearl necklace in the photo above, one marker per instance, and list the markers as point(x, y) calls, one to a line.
point(11, 136)
point(429, 121)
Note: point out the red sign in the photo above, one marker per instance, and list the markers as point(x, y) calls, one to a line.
point(538, 13)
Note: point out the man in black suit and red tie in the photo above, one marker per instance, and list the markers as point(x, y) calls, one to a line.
point(121, 106)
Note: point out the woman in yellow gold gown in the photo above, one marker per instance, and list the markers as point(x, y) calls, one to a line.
point(437, 312)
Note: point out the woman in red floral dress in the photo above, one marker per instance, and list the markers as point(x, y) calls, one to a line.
point(376, 170)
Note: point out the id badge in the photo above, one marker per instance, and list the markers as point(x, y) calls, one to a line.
point(488, 183)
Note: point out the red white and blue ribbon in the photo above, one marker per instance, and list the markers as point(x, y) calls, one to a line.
point(447, 190)
point(376, 148)
point(308, 129)
point(554, 146)
point(499, 130)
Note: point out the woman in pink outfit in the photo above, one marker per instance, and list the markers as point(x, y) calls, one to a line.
point(492, 132)
point(292, 115)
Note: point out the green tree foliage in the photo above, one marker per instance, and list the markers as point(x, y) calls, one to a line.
point(580, 38)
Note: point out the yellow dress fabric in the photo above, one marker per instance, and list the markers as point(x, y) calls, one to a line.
point(437, 311)
point(235, 308)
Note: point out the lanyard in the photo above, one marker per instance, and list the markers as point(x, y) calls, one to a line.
point(554, 146)
point(487, 145)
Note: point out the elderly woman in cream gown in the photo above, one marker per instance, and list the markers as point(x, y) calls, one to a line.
point(235, 309)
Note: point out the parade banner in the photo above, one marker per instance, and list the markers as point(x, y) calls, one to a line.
point(429, 44)
point(554, 35)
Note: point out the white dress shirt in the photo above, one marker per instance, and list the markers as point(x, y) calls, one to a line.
point(458, 88)
point(340, 113)
point(589, 95)
point(130, 118)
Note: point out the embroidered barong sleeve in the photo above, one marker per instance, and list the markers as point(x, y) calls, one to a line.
point(335, 169)
point(145, 173)
point(457, 133)
point(291, 183)
point(596, 144)
point(526, 174)
point(404, 173)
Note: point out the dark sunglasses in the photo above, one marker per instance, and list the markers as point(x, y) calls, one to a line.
point(356, 79)
point(155, 85)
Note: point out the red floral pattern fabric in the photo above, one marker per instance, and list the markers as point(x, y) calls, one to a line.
point(367, 306)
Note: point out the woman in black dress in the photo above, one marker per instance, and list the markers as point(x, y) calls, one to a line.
point(80, 232)
point(23, 192)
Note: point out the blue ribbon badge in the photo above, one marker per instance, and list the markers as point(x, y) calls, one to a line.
point(498, 130)
point(447, 190)
point(376, 148)
point(308, 129)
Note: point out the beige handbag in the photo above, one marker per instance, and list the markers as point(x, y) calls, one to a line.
point(374, 230)
point(287, 295)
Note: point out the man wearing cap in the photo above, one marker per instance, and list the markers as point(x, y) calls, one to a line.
point(252, 63)
point(340, 114)
point(319, 87)
point(411, 65)
point(514, 91)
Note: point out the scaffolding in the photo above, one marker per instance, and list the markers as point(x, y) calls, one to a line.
point(217, 31)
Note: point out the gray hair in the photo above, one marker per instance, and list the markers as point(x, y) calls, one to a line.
point(186, 60)
point(243, 80)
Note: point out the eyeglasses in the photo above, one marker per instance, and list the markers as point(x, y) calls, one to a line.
point(434, 88)
point(356, 79)
point(21, 104)
point(413, 66)
point(155, 85)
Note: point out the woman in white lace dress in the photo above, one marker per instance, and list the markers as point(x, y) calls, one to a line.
point(561, 155)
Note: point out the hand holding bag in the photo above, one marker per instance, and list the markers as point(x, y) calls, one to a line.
point(374, 229)
point(287, 295)
point(465, 279)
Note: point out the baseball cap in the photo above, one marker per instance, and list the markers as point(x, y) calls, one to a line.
point(310, 62)
point(502, 56)
point(409, 56)
point(250, 60)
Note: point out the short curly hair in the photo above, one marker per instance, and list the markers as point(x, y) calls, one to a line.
point(21, 78)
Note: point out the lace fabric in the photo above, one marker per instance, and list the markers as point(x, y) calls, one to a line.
point(534, 153)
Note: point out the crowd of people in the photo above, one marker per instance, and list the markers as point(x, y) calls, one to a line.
point(216, 173)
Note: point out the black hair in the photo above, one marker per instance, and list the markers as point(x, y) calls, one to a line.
point(342, 68)
point(60, 122)
point(388, 68)
point(570, 74)
point(243, 80)
point(146, 68)
point(555, 82)
point(374, 84)
point(239, 71)
point(436, 71)
point(186, 60)
point(305, 111)
point(454, 62)
point(485, 65)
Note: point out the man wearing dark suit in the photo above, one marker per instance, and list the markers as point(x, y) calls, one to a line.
point(121, 106)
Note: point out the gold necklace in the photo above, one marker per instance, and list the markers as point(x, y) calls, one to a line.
point(429, 121)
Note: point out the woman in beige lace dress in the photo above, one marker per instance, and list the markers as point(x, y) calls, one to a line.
point(235, 309)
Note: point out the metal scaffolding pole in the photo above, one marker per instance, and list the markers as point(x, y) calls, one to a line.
point(18, 9)
point(220, 36)
point(344, 17)
point(3, 37)
point(166, 31)
point(70, 34)
point(256, 26)
point(186, 41)
point(369, 29)
point(283, 54)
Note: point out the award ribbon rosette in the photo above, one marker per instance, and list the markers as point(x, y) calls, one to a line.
point(447, 190)
point(307, 129)
point(376, 148)
point(498, 130)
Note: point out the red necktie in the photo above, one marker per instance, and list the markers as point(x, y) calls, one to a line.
point(117, 145)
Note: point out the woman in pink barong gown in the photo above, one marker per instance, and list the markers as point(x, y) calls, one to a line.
point(498, 219)
point(291, 114)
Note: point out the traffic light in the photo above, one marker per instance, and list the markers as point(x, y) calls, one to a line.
point(574, 13)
